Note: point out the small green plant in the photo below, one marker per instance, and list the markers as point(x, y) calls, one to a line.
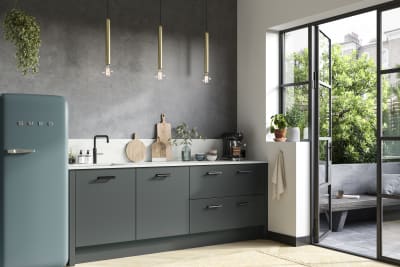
point(278, 122)
point(24, 32)
point(294, 117)
point(186, 134)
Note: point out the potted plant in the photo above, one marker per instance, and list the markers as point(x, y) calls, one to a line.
point(278, 127)
point(185, 134)
point(24, 32)
point(294, 118)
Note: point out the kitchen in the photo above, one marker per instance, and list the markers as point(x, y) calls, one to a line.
point(73, 64)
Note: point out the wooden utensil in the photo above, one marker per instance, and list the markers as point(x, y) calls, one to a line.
point(158, 151)
point(164, 133)
point(135, 149)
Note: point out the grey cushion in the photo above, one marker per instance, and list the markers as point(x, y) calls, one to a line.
point(390, 185)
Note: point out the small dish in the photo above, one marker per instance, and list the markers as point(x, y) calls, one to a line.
point(212, 152)
point(200, 156)
point(212, 157)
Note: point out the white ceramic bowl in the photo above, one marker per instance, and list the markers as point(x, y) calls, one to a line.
point(212, 157)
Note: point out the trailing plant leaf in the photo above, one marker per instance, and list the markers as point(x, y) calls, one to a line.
point(24, 32)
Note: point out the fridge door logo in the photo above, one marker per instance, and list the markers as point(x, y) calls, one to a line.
point(32, 123)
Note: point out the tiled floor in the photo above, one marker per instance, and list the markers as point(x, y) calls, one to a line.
point(359, 237)
point(250, 253)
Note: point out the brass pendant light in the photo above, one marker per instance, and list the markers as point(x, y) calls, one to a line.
point(206, 78)
point(108, 70)
point(160, 72)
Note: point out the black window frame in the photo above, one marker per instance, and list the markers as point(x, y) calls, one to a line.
point(312, 121)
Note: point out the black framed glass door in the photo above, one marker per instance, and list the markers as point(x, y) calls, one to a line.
point(388, 185)
point(322, 136)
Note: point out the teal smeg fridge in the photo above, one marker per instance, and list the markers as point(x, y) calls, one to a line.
point(33, 181)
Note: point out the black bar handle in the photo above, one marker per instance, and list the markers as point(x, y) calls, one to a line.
point(215, 173)
point(163, 175)
point(245, 172)
point(213, 207)
point(241, 204)
point(105, 178)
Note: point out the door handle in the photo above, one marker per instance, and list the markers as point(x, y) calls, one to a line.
point(19, 151)
point(105, 179)
point(215, 173)
point(213, 207)
point(241, 204)
point(245, 172)
point(162, 175)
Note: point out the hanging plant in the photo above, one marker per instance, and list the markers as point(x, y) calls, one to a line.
point(24, 32)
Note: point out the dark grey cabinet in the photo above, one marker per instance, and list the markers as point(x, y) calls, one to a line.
point(162, 202)
point(215, 214)
point(162, 207)
point(105, 206)
point(227, 180)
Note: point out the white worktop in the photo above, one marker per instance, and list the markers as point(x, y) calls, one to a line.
point(158, 164)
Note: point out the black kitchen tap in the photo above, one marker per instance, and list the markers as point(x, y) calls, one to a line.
point(94, 146)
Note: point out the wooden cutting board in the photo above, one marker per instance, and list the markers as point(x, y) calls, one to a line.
point(158, 151)
point(164, 133)
point(135, 150)
point(164, 130)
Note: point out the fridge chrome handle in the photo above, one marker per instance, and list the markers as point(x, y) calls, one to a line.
point(19, 151)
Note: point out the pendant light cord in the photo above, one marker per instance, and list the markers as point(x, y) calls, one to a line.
point(160, 11)
point(205, 15)
point(107, 9)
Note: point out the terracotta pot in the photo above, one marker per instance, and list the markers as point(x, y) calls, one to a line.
point(280, 133)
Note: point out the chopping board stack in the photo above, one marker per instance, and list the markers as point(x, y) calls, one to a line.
point(163, 141)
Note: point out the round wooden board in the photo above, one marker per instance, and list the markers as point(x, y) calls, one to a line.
point(135, 151)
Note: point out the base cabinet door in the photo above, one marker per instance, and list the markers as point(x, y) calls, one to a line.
point(217, 214)
point(162, 207)
point(105, 206)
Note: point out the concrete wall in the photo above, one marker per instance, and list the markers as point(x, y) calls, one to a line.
point(72, 62)
point(258, 22)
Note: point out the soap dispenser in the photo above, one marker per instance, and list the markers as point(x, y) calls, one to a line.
point(81, 158)
point(89, 158)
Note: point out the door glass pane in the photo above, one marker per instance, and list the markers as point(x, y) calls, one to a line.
point(324, 62)
point(391, 104)
point(391, 168)
point(323, 162)
point(324, 214)
point(391, 39)
point(324, 111)
point(296, 107)
point(296, 56)
point(391, 228)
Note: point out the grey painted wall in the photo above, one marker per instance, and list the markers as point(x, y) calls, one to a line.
point(72, 61)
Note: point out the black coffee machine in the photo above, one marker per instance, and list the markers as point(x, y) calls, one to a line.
point(233, 147)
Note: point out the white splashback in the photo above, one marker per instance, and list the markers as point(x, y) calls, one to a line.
point(115, 150)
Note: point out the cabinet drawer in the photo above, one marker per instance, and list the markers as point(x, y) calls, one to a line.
point(162, 202)
point(227, 180)
point(217, 214)
point(105, 206)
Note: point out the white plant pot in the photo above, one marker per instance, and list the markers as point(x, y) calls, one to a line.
point(293, 134)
